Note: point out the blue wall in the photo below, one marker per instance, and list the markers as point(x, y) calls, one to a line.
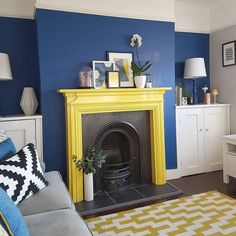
point(18, 39)
point(189, 45)
point(68, 41)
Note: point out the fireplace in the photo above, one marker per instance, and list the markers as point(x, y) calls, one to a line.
point(125, 138)
point(82, 103)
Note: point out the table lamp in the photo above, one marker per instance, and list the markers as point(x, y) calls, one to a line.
point(194, 69)
point(5, 69)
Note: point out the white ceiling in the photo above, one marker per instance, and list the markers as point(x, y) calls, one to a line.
point(200, 16)
point(203, 2)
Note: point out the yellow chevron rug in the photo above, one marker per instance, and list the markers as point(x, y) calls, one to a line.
point(210, 213)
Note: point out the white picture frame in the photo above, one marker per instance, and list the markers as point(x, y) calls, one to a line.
point(100, 69)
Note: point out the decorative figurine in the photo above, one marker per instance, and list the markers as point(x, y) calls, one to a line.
point(205, 88)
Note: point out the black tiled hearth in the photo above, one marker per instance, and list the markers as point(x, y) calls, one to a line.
point(129, 196)
point(101, 200)
point(125, 195)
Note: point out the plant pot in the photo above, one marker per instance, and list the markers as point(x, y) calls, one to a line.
point(88, 187)
point(140, 81)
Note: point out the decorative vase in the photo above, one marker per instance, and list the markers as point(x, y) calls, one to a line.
point(29, 102)
point(88, 187)
point(140, 81)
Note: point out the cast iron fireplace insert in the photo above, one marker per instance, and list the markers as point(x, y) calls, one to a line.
point(120, 142)
point(125, 138)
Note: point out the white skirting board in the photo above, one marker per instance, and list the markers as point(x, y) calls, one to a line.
point(173, 174)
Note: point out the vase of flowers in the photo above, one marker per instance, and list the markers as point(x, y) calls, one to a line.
point(91, 160)
point(137, 67)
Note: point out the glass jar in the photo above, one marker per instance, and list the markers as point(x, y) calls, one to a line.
point(86, 77)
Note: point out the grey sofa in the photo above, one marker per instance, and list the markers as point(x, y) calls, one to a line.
point(51, 211)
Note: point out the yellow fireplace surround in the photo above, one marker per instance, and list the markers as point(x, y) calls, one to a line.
point(88, 101)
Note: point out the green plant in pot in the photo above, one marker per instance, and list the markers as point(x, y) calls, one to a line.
point(91, 160)
point(138, 68)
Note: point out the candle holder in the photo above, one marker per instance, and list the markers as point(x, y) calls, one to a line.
point(215, 92)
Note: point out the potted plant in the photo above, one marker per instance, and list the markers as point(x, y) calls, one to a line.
point(138, 68)
point(90, 161)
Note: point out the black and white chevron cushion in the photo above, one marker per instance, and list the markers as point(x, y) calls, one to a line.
point(21, 176)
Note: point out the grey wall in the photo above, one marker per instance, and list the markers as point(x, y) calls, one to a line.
point(223, 77)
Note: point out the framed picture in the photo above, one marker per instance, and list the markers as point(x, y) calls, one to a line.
point(100, 69)
point(228, 53)
point(122, 62)
point(113, 79)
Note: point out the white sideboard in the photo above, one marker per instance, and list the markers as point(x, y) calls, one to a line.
point(23, 130)
point(229, 157)
point(199, 137)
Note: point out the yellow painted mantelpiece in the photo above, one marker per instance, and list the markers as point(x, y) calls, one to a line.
point(87, 101)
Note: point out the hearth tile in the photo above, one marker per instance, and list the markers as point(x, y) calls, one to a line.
point(101, 200)
point(125, 195)
point(157, 191)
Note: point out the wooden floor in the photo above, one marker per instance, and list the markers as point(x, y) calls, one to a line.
point(190, 185)
point(205, 182)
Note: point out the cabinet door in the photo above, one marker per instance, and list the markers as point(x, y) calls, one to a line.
point(215, 128)
point(190, 141)
point(21, 132)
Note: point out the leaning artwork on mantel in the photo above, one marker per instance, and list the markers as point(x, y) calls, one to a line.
point(122, 62)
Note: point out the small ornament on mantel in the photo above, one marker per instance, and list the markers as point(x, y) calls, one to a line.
point(29, 102)
point(149, 81)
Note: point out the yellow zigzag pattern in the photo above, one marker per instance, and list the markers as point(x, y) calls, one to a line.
point(210, 213)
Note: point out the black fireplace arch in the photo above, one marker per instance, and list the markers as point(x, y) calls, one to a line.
point(121, 143)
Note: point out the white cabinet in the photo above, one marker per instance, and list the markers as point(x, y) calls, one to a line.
point(229, 157)
point(23, 130)
point(199, 137)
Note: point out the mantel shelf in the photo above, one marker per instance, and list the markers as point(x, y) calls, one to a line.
point(113, 91)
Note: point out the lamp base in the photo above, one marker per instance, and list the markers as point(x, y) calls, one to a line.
point(195, 100)
point(195, 97)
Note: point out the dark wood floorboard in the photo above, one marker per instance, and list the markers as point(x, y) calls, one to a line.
point(205, 182)
point(191, 185)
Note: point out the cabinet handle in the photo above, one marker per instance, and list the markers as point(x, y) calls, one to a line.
point(200, 130)
point(207, 129)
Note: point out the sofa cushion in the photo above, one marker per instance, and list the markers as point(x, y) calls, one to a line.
point(55, 196)
point(21, 176)
point(7, 149)
point(10, 216)
point(59, 223)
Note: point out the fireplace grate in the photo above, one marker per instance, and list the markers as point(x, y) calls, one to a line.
point(116, 176)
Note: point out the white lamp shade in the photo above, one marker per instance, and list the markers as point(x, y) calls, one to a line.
point(5, 68)
point(194, 68)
